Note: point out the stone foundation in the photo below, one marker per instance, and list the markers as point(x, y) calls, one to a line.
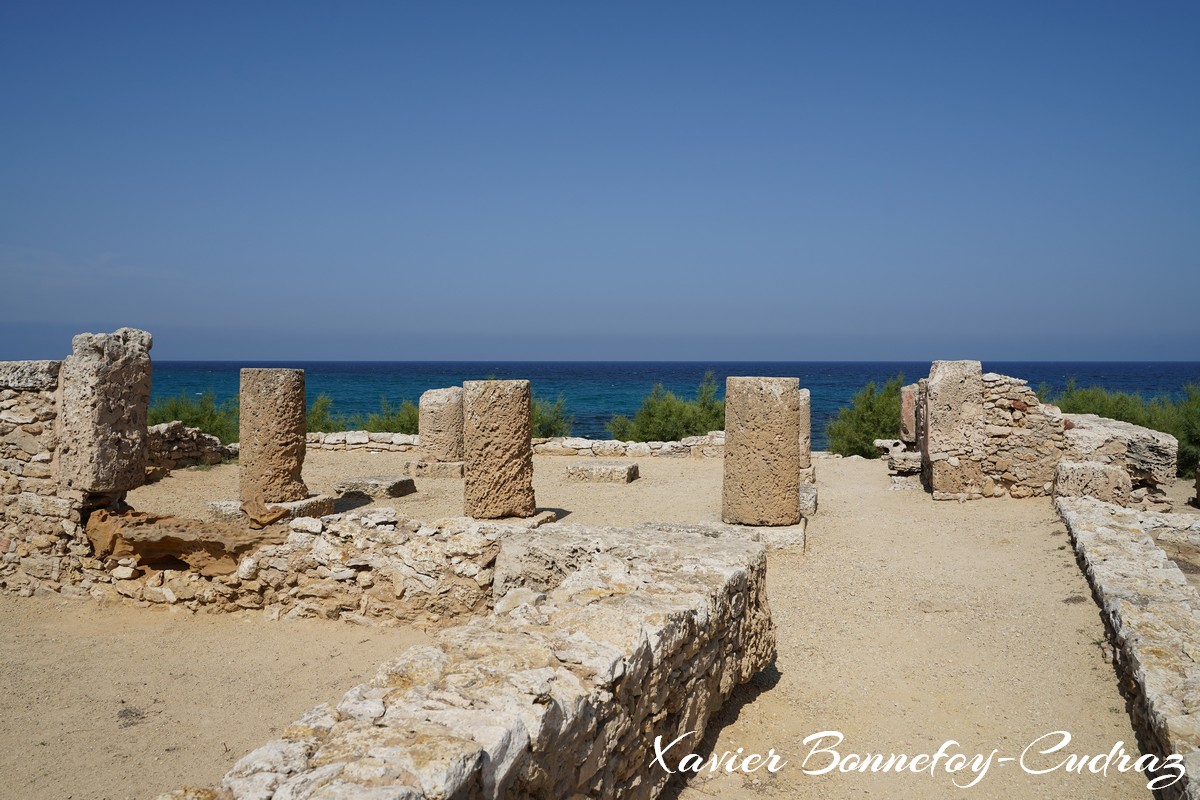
point(171, 445)
point(1153, 619)
point(603, 471)
point(599, 641)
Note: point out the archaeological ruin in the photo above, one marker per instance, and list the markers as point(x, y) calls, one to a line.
point(558, 651)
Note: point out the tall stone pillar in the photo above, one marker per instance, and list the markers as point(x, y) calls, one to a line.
point(273, 428)
point(805, 428)
point(954, 430)
point(762, 451)
point(104, 388)
point(441, 424)
point(908, 413)
point(497, 450)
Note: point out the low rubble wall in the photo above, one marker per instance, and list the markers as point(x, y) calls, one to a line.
point(600, 640)
point(1153, 618)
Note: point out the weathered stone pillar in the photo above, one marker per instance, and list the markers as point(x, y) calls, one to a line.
point(441, 424)
point(272, 434)
point(954, 430)
point(497, 450)
point(805, 428)
point(908, 413)
point(762, 451)
point(104, 387)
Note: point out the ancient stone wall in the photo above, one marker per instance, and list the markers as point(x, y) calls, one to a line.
point(601, 641)
point(38, 529)
point(101, 426)
point(710, 445)
point(986, 435)
point(1153, 618)
point(172, 445)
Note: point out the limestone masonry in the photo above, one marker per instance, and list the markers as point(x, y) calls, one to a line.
point(273, 427)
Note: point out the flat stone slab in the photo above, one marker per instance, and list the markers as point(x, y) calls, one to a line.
point(786, 538)
point(603, 471)
point(378, 486)
point(436, 469)
point(318, 505)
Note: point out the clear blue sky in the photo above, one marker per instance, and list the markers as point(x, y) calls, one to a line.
point(603, 180)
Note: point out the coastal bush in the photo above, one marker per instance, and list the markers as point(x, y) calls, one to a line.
point(203, 412)
point(321, 419)
point(663, 417)
point(1178, 416)
point(874, 413)
point(389, 418)
point(550, 419)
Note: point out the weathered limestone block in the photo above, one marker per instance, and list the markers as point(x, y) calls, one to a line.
point(377, 487)
point(29, 376)
point(805, 428)
point(1092, 479)
point(1148, 455)
point(272, 435)
point(762, 451)
point(209, 548)
point(603, 471)
point(436, 469)
point(441, 424)
point(1153, 616)
point(954, 435)
point(808, 499)
point(904, 463)
point(908, 413)
point(105, 395)
point(497, 449)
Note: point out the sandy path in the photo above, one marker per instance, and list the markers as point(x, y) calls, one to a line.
point(906, 623)
point(123, 702)
point(909, 622)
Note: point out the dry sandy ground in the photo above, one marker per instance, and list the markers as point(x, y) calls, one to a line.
point(906, 623)
point(122, 702)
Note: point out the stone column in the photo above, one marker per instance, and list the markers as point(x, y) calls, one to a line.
point(805, 428)
point(762, 451)
point(908, 413)
point(497, 450)
point(954, 430)
point(441, 424)
point(105, 394)
point(272, 434)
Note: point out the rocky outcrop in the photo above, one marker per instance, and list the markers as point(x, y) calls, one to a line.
point(1148, 456)
point(1092, 479)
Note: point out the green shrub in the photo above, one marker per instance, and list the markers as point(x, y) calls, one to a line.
point(202, 412)
point(1178, 416)
point(663, 417)
point(389, 419)
point(550, 419)
point(321, 419)
point(873, 414)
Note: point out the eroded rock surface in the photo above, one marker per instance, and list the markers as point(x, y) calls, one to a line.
point(498, 464)
point(272, 435)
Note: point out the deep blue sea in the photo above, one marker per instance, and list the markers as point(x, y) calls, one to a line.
point(596, 390)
